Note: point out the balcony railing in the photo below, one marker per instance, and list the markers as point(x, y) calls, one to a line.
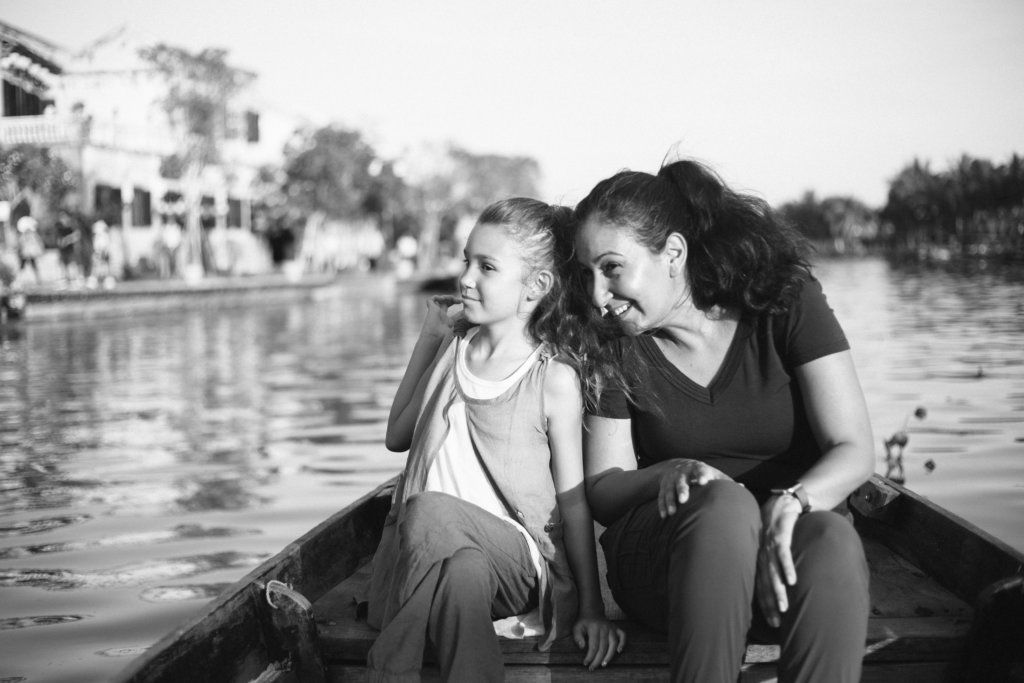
point(39, 130)
point(54, 130)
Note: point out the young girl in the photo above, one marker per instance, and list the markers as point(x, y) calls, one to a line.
point(490, 513)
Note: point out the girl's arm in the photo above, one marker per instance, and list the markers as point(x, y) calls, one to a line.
point(406, 406)
point(839, 419)
point(614, 485)
point(564, 408)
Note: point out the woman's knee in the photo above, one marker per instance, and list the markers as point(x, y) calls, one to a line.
point(722, 520)
point(726, 506)
point(826, 543)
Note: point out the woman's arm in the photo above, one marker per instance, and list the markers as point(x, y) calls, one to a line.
point(615, 485)
point(405, 407)
point(839, 419)
point(564, 408)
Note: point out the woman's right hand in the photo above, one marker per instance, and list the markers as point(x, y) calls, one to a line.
point(675, 482)
point(443, 313)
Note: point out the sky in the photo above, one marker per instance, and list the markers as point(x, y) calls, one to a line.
point(779, 96)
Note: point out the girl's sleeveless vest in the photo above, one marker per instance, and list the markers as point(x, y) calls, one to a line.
point(509, 434)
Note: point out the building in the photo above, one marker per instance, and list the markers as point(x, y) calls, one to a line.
point(101, 109)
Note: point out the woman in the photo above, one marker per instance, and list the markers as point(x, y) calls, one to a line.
point(737, 426)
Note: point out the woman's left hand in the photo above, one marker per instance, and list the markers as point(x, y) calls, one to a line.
point(775, 568)
point(602, 638)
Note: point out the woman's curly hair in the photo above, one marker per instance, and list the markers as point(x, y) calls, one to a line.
point(741, 255)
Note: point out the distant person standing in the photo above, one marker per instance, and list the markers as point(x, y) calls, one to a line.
point(12, 299)
point(30, 245)
point(85, 251)
point(170, 244)
point(101, 254)
point(68, 236)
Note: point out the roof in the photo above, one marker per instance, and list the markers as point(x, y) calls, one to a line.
point(15, 41)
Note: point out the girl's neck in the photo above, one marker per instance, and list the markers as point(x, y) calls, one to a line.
point(492, 356)
point(502, 341)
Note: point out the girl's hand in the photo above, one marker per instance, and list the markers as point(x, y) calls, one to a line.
point(602, 638)
point(443, 312)
point(775, 568)
point(674, 485)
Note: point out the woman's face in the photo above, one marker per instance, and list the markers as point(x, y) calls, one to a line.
point(627, 280)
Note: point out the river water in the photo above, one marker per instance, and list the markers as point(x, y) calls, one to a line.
point(146, 463)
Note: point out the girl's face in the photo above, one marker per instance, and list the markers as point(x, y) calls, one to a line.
point(627, 280)
point(492, 281)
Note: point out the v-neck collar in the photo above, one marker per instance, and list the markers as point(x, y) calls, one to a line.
point(681, 381)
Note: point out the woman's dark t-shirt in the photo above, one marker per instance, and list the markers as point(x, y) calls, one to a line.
point(749, 421)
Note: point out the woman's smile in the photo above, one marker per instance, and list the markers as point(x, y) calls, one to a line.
point(619, 311)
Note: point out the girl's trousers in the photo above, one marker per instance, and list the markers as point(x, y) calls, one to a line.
point(458, 568)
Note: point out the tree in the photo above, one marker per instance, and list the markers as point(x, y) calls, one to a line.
point(837, 222)
point(453, 182)
point(30, 170)
point(200, 87)
point(807, 215)
point(915, 204)
point(480, 179)
point(329, 170)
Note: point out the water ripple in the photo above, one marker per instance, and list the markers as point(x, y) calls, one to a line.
point(48, 620)
point(129, 575)
point(178, 533)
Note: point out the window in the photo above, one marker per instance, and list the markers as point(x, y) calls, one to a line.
point(20, 102)
point(234, 213)
point(141, 207)
point(108, 204)
point(252, 126)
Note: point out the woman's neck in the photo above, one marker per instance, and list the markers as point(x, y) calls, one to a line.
point(692, 327)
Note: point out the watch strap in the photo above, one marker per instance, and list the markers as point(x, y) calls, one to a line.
point(796, 491)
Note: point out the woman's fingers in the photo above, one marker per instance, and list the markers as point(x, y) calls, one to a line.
point(767, 592)
point(785, 559)
point(778, 587)
point(673, 490)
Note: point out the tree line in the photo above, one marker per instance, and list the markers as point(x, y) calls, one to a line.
point(972, 209)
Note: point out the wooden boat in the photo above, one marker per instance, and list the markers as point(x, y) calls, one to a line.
point(947, 604)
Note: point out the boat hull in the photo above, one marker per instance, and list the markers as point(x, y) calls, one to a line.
point(945, 602)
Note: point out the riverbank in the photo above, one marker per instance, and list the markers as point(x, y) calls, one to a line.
point(50, 302)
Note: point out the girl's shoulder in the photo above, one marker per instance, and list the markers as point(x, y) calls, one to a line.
point(561, 379)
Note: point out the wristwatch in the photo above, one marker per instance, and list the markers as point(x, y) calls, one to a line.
point(798, 492)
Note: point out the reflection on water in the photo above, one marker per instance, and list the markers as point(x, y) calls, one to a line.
point(147, 463)
point(948, 344)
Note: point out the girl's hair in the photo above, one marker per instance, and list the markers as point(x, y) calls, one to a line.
point(740, 254)
point(563, 319)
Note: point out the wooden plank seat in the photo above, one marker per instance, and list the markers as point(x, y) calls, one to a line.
point(916, 628)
